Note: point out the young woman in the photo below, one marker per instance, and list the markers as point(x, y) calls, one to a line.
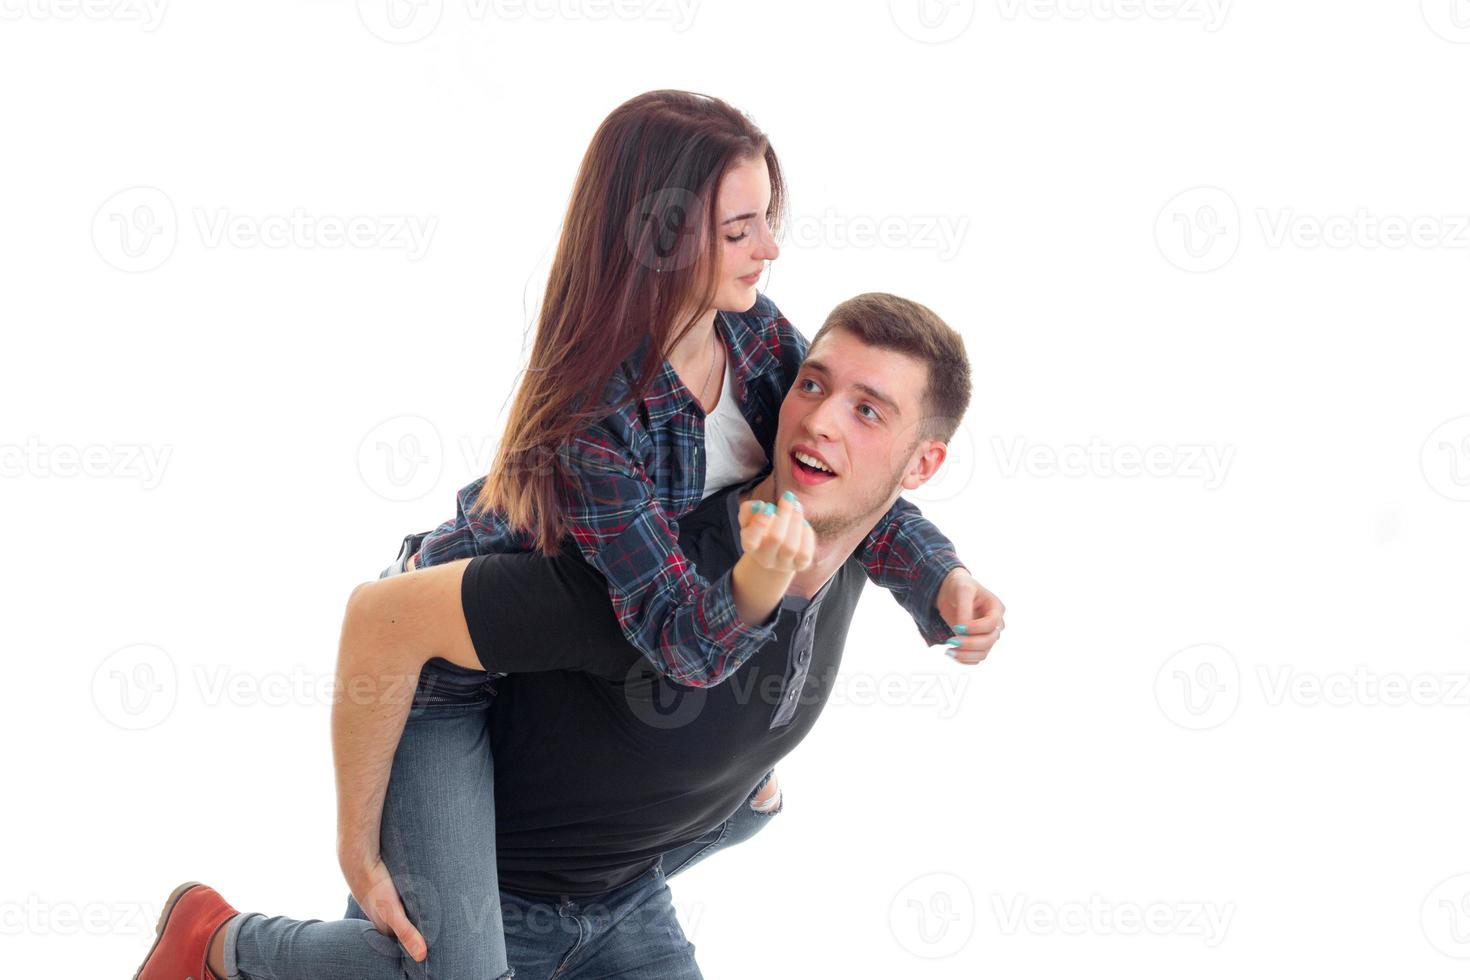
point(655, 379)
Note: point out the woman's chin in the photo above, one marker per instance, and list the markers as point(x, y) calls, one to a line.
point(741, 298)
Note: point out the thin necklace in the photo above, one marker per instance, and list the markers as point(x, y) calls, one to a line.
point(713, 360)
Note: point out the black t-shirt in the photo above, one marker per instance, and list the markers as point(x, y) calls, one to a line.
point(601, 763)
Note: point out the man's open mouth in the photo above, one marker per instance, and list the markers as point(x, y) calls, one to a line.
point(809, 470)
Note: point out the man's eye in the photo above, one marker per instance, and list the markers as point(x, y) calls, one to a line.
point(875, 416)
point(807, 381)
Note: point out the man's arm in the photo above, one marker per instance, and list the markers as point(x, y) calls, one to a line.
point(391, 628)
point(515, 613)
point(529, 613)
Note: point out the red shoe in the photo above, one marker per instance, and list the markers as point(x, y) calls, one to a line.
point(190, 916)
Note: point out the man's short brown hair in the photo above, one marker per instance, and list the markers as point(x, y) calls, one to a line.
point(905, 327)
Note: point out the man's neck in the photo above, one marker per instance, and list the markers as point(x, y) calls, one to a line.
point(830, 555)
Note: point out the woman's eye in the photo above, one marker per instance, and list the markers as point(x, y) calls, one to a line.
point(737, 238)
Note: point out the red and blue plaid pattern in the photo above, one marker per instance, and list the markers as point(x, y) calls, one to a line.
point(642, 468)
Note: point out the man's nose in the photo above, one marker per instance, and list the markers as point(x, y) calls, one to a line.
point(822, 422)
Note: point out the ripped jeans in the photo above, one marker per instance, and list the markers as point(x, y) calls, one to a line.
point(438, 841)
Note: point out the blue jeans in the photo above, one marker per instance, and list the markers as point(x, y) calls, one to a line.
point(438, 841)
point(629, 932)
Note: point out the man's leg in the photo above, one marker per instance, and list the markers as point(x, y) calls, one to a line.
point(539, 935)
point(749, 819)
point(630, 933)
point(438, 841)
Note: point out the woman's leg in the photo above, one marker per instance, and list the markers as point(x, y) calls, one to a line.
point(749, 819)
point(438, 841)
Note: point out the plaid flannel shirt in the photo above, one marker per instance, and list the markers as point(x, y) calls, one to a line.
point(642, 468)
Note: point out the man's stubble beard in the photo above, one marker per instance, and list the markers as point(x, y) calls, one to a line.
point(830, 526)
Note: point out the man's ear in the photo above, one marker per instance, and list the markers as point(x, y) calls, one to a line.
point(931, 454)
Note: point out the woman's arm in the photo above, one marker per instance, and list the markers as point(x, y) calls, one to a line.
point(526, 612)
point(907, 555)
point(695, 631)
point(469, 533)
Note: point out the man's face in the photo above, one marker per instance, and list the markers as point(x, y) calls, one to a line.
point(857, 410)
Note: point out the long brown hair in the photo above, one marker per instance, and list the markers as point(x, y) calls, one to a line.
point(627, 268)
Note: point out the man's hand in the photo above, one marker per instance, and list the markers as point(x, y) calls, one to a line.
point(372, 886)
point(975, 614)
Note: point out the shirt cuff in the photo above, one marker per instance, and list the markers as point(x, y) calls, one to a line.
point(722, 626)
point(932, 626)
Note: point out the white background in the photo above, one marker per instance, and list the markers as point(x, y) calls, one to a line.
point(1232, 697)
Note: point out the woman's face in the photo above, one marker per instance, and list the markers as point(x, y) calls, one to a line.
point(742, 234)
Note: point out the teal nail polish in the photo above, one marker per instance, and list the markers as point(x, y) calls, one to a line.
point(953, 641)
point(788, 495)
point(770, 508)
point(960, 628)
point(756, 507)
point(951, 654)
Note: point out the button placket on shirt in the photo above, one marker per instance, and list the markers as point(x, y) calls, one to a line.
point(800, 659)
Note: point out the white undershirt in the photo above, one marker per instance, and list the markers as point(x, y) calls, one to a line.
point(731, 452)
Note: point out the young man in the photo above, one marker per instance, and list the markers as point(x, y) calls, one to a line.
point(602, 768)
